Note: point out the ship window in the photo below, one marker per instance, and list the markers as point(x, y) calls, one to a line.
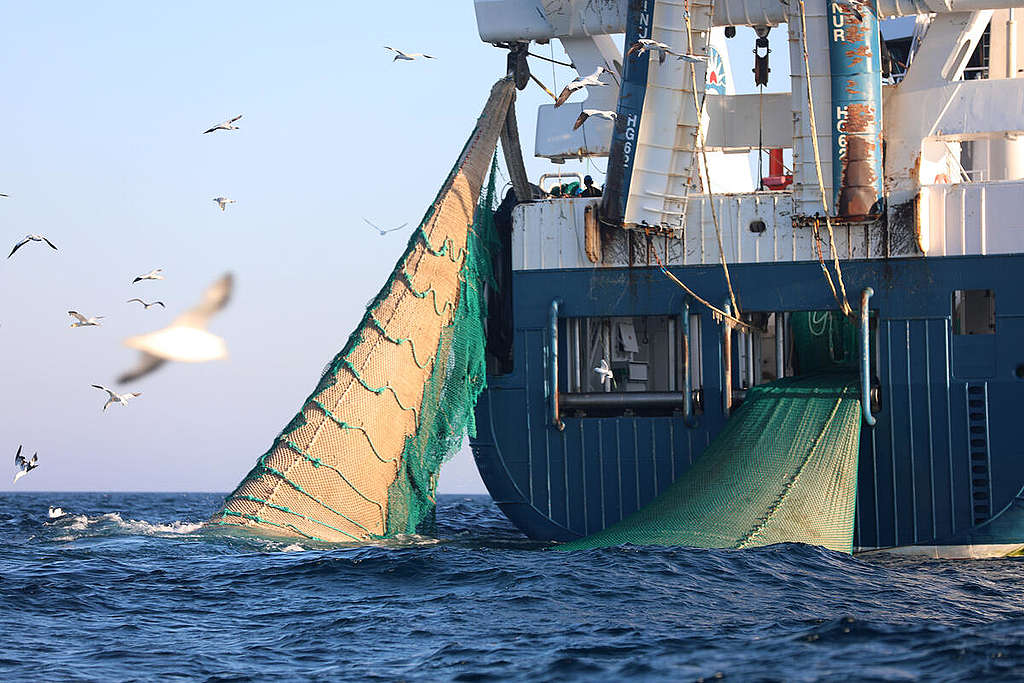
point(641, 354)
point(974, 311)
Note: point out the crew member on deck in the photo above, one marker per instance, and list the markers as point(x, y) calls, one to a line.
point(590, 190)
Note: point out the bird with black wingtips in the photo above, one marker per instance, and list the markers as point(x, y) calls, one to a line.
point(145, 305)
point(223, 202)
point(185, 339)
point(587, 113)
point(407, 56)
point(82, 321)
point(31, 238)
point(593, 81)
point(24, 465)
point(114, 397)
point(227, 125)
point(381, 230)
point(155, 274)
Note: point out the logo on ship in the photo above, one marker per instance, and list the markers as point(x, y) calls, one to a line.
point(716, 75)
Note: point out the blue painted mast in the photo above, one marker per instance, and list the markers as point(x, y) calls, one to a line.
point(639, 22)
point(855, 61)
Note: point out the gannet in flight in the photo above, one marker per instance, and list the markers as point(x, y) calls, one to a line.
point(605, 373)
point(31, 238)
point(645, 44)
point(82, 321)
point(223, 202)
point(382, 231)
point(114, 397)
point(145, 305)
point(587, 113)
point(2, 194)
point(227, 125)
point(154, 274)
point(407, 56)
point(24, 466)
point(54, 513)
point(593, 80)
point(185, 339)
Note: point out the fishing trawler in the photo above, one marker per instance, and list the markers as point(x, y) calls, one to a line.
point(829, 355)
point(885, 241)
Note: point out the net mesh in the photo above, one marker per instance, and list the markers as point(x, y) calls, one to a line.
point(361, 458)
point(784, 469)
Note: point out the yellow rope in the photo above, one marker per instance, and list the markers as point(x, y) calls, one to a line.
point(718, 314)
point(844, 305)
point(543, 87)
point(699, 140)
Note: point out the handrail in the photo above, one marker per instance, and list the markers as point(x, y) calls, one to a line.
point(865, 357)
point(780, 345)
point(556, 419)
point(688, 417)
point(726, 362)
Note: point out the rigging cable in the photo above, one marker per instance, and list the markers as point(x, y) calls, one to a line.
point(844, 305)
point(704, 155)
point(553, 61)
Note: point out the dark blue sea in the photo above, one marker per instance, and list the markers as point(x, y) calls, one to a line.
point(127, 587)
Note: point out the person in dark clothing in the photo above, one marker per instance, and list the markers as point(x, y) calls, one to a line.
point(590, 190)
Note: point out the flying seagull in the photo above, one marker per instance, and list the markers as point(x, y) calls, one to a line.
point(593, 80)
point(154, 274)
point(407, 56)
point(82, 321)
point(24, 465)
point(605, 373)
point(587, 113)
point(223, 202)
point(185, 339)
point(381, 230)
point(145, 305)
point(227, 125)
point(30, 238)
point(114, 397)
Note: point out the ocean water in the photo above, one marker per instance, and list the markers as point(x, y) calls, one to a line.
point(127, 587)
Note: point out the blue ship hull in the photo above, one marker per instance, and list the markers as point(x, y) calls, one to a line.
point(943, 465)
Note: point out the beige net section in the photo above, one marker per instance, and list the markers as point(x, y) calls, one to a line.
point(360, 460)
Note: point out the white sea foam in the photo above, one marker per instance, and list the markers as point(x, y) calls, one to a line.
point(131, 526)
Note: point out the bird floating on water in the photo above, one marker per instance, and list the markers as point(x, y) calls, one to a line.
point(149, 305)
point(185, 339)
point(114, 397)
point(223, 202)
point(54, 513)
point(407, 56)
point(227, 125)
point(587, 113)
point(31, 238)
point(154, 274)
point(593, 80)
point(24, 465)
point(381, 230)
point(82, 321)
point(605, 373)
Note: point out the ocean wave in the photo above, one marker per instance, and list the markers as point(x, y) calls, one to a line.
point(114, 523)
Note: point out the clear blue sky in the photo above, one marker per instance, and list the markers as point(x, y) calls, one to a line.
point(100, 150)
